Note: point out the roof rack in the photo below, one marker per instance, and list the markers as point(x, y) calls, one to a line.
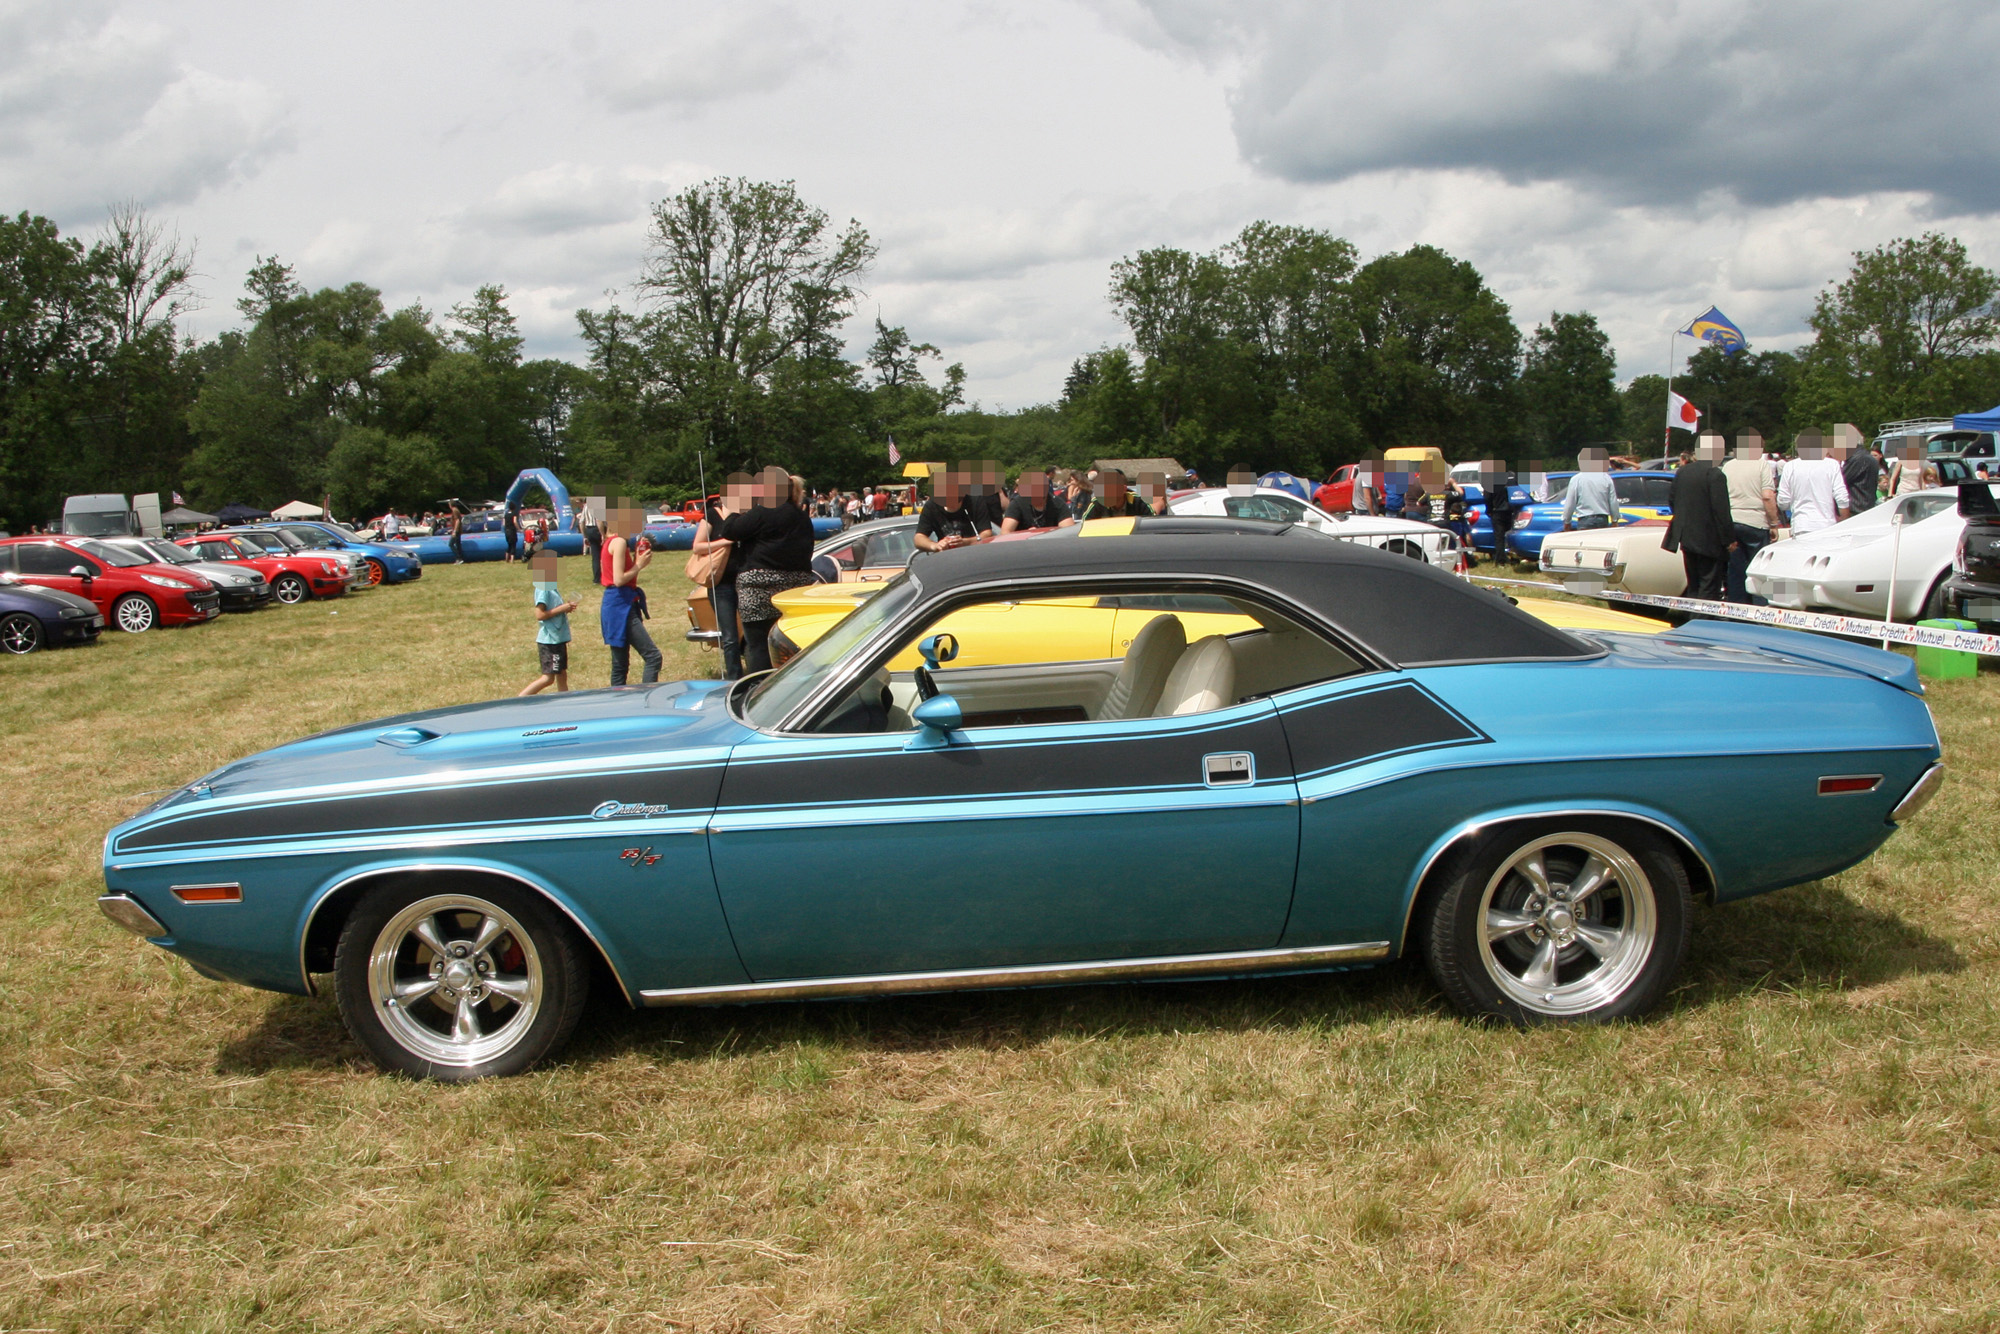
point(1916, 426)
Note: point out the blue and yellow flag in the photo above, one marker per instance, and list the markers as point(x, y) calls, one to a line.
point(1713, 326)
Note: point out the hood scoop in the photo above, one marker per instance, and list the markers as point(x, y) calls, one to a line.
point(405, 737)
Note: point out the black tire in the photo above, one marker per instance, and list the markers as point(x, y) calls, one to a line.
point(447, 1016)
point(290, 589)
point(135, 614)
point(1937, 603)
point(20, 633)
point(1490, 935)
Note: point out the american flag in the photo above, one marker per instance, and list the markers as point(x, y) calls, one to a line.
point(895, 454)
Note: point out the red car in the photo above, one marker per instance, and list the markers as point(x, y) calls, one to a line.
point(135, 594)
point(294, 578)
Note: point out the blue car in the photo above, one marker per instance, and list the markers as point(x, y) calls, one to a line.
point(1641, 495)
point(382, 562)
point(1297, 754)
point(33, 617)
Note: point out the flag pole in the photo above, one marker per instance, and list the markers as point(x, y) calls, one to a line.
point(1667, 427)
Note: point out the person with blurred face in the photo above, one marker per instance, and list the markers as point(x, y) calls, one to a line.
point(551, 626)
point(775, 536)
point(1590, 500)
point(1811, 488)
point(1860, 470)
point(1153, 492)
point(622, 613)
point(1753, 511)
point(738, 495)
point(1910, 472)
point(1701, 529)
point(983, 500)
point(1495, 486)
point(1111, 500)
point(1035, 505)
point(945, 522)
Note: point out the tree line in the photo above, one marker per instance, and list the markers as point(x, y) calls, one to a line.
point(1279, 349)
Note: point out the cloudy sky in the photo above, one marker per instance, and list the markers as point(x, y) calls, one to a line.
point(1638, 160)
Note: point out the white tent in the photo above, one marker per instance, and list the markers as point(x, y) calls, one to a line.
point(298, 509)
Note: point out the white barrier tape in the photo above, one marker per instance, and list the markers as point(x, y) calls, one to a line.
point(1966, 641)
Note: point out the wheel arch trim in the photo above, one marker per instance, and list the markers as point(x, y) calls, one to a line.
point(385, 870)
point(1701, 868)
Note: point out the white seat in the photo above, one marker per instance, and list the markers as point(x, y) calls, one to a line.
point(1204, 679)
point(1143, 674)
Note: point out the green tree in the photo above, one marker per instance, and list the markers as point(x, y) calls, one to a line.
point(1436, 358)
point(1909, 333)
point(745, 275)
point(1568, 384)
point(1748, 391)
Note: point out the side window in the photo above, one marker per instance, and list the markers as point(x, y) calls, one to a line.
point(1629, 490)
point(892, 548)
point(1107, 658)
point(1659, 491)
point(7, 558)
point(45, 558)
point(1259, 507)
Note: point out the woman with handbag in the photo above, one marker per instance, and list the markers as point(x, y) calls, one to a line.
point(716, 562)
point(777, 539)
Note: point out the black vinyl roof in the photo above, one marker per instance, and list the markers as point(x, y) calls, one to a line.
point(1405, 611)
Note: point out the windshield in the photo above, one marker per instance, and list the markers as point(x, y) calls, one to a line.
point(779, 693)
point(169, 554)
point(112, 556)
point(97, 523)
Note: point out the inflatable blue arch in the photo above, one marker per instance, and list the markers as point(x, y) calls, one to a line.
point(489, 542)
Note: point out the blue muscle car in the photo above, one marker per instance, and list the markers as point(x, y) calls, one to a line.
point(1389, 761)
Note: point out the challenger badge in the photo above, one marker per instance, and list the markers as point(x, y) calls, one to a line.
point(618, 810)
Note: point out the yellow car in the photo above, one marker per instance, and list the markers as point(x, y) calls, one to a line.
point(1085, 629)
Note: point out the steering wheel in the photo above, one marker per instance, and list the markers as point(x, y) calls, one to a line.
point(926, 688)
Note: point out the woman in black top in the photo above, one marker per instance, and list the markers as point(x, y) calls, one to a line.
point(774, 539)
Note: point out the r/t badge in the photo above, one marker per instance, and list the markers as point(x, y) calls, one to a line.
point(639, 856)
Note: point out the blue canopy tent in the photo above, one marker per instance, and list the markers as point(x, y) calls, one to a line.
point(1284, 481)
point(1988, 420)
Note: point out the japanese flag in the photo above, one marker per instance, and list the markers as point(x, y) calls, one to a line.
point(1682, 413)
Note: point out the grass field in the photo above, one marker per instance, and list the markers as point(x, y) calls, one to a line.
point(1805, 1140)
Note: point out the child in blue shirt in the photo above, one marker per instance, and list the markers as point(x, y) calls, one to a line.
point(552, 634)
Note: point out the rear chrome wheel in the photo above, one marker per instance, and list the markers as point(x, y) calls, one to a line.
point(458, 985)
point(1560, 924)
point(20, 633)
point(290, 589)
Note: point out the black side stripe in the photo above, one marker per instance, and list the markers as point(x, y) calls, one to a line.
point(687, 791)
point(1347, 730)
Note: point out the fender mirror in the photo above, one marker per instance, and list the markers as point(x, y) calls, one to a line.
point(938, 649)
point(936, 719)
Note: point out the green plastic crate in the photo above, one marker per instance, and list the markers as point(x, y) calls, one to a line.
point(1947, 664)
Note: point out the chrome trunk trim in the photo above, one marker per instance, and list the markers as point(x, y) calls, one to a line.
point(1236, 962)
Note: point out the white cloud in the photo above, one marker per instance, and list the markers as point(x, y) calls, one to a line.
point(95, 108)
point(740, 51)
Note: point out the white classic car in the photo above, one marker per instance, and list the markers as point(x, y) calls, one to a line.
point(1438, 546)
point(1849, 566)
point(1626, 559)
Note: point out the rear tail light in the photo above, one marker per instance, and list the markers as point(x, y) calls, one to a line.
point(1834, 785)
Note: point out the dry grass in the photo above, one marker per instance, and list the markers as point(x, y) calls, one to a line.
point(1806, 1142)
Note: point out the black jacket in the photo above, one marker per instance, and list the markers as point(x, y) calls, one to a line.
point(1700, 500)
point(771, 537)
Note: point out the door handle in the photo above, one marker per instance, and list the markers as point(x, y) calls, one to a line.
point(1235, 768)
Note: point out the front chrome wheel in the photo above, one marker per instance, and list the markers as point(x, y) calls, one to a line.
point(458, 983)
point(290, 590)
point(1566, 924)
point(1559, 923)
point(20, 633)
point(135, 615)
point(455, 980)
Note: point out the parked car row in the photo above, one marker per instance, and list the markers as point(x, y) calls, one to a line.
point(57, 590)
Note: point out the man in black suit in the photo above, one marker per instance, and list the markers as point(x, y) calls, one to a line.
point(1701, 529)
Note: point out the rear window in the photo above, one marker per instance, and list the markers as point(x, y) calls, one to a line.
point(115, 557)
